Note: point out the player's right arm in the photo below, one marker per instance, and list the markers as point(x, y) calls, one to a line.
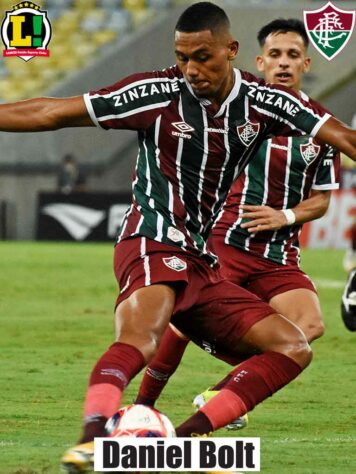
point(44, 114)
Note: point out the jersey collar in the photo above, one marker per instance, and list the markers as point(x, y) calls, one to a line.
point(233, 94)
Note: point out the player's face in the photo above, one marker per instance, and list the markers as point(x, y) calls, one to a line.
point(205, 59)
point(283, 59)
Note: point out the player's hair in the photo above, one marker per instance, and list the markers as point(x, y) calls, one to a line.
point(282, 25)
point(203, 16)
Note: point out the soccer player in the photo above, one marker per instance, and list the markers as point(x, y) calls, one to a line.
point(287, 183)
point(184, 170)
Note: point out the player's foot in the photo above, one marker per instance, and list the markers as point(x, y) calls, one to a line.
point(348, 304)
point(79, 459)
point(201, 399)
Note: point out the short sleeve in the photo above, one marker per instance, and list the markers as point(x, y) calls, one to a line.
point(327, 175)
point(132, 103)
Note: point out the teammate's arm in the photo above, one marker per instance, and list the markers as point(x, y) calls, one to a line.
point(266, 218)
point(44, 114)
point(336, 133)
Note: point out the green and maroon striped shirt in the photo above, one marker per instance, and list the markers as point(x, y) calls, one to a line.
point(280, 175)
point(189, 155)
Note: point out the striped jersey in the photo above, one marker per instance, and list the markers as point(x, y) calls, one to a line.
point(189, 154)
point(281, 174)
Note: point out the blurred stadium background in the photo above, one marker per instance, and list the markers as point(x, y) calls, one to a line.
point(96, 42)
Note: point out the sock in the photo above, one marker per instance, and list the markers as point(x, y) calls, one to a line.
point(222, 382)
point(251, 382)
point(112, 373)
point(198, 424)
point(222, 408)
point(162, 366)
point(261, 376)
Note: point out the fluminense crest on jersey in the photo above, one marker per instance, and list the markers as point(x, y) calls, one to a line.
point(329, 29)
point(248, 132)
point(309, 152)
point(26, 32)
point(175, 263)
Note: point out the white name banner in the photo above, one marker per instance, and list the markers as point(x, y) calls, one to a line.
point(181, 454)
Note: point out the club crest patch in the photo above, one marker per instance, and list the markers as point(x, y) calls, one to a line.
point(329, 29)
point(175, 263)
point(248, 132)
point(309, 152)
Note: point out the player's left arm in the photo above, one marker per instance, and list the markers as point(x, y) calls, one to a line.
point(262, 218)
point(336, 133)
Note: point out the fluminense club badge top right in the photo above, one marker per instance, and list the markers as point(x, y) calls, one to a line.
point(329, 29)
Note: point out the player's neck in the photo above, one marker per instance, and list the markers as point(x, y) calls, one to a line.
point(224, 91)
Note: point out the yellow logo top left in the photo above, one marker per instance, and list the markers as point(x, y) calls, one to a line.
point(26, 31)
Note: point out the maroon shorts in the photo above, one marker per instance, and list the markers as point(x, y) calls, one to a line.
point(209, 309)
point(259, 275)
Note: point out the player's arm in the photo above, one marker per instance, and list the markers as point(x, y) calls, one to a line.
point(336, 133)
point(263, 218)
point(44, 114)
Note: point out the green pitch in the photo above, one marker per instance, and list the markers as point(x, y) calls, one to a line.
point(56, 306)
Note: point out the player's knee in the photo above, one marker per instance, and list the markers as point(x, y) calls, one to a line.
point(299, 350)
point(315, 330)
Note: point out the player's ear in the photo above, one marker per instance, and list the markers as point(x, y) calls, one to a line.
point(233, 49)
point(306, 64)
point(260, 64)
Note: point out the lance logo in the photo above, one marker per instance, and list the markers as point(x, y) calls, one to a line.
point(26, 32)
point(329, 29)
point(309, 152)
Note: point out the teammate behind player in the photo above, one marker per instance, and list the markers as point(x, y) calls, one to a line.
point(183, 174)
point(287, 183)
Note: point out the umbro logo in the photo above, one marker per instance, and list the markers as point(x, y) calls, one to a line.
point(183, 130)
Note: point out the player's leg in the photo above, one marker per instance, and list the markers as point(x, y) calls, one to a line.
point(162, 366)
point(142, 314)
point(302, 307)
point(284, 287)
point(140, 322)
point(278, 353)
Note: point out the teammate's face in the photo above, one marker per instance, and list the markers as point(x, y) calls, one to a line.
point(283, 59)
point(205, 59)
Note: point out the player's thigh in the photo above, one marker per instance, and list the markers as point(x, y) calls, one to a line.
point(302, 307)
point(273, 279)
point(221, 317)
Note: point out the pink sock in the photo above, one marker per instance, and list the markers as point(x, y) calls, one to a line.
point(225, 407)
point(112, 373)
point(102, 399)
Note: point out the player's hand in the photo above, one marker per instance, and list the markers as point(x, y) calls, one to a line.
point(262, 218)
